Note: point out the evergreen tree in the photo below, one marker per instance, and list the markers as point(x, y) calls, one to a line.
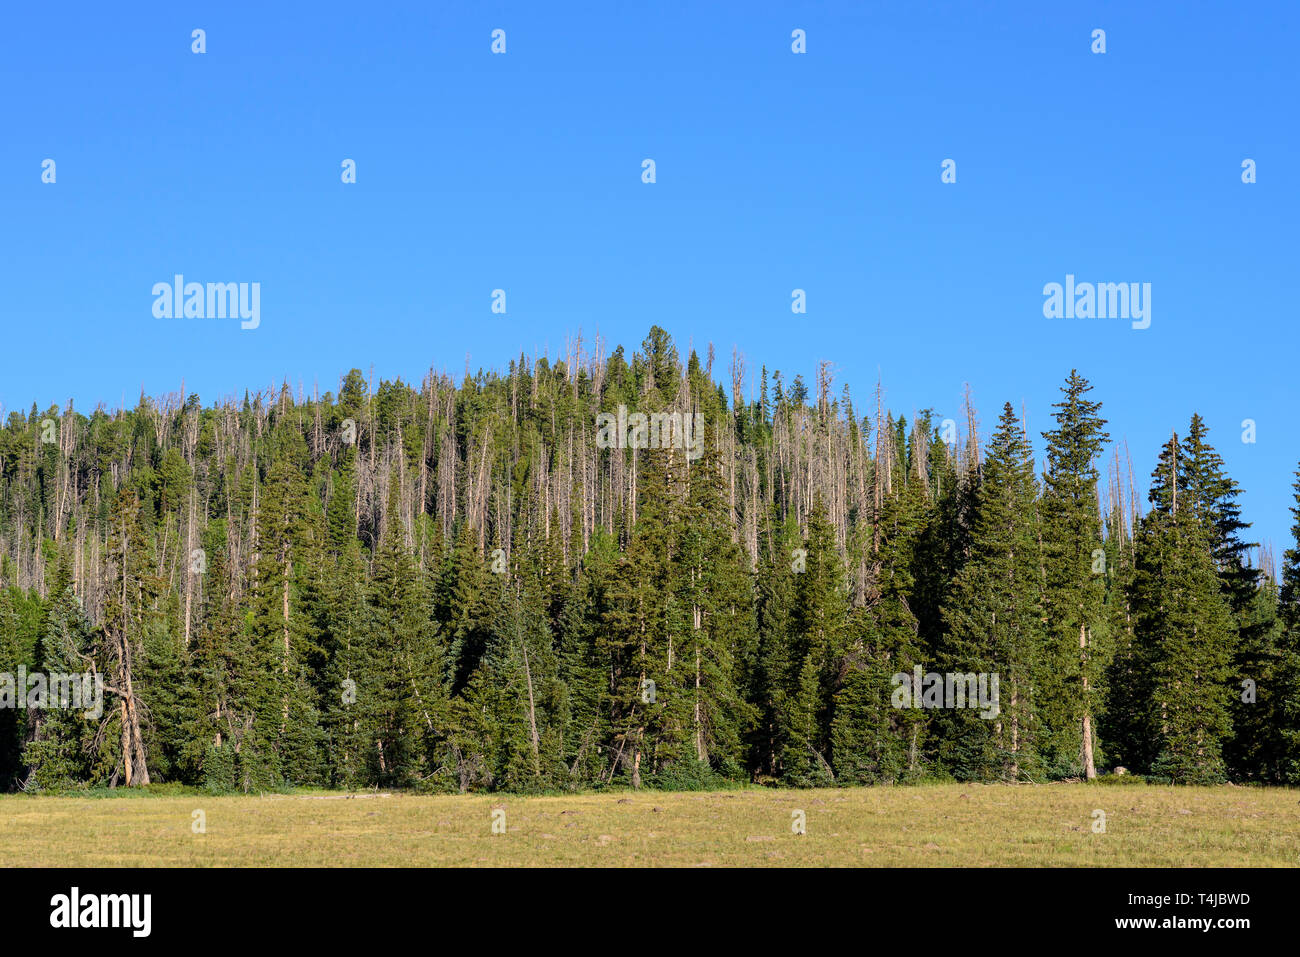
point(1284, 693)
point(1186, 632)
point(1211, 494)
point(61, 742)
point(715, 593)
point(995, 615)
point(285, 731)
point(1079, 643)
point(770, 687)
point(819, 626)
point(636, 640)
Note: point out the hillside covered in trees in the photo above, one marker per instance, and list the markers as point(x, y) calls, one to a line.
point(458, 587)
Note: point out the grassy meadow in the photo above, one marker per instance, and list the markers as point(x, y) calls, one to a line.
point(950, 825)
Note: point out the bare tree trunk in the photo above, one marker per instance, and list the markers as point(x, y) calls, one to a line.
point(126, 743)
point(700, 753)
point(1089, 770)
point(285, 613)
point(1015, 732)
point(188, 560)
point(532, 716)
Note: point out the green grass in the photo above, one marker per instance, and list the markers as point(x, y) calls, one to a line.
point(930, 826)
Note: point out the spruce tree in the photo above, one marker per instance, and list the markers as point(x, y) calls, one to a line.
point(1079, 643)
point(995, 618)
point(647, 725)
point(716, 596)
point(1185, 629)
point(1212, 495)
point(782, 558)
point(57, 753)
point(819, 626)
point(1284, 693)
point(281, 701)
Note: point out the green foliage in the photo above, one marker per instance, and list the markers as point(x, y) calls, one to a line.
point(455, 587)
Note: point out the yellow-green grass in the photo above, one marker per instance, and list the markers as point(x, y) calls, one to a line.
point(940, 825)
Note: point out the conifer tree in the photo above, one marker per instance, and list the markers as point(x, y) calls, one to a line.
point(1079, 643)
point(468, 591)
point(1212, 495)
point(57, 753)
point(1285, 692)
point(1186, 631)
point(13, 724)
point(782, 559)
point(636, 639)
point(716, 595)
point(819, 626)
point(524, 700)
point(281, 702)
point(585, 670)
point(900, 533)
point(221, 668)
point(995, 615)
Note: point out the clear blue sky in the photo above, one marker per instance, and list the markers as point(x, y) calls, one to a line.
point(775, 171)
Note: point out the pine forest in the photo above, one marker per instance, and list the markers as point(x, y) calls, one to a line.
point(611, 571)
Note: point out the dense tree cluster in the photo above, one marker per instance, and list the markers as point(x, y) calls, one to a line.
point(458, 587)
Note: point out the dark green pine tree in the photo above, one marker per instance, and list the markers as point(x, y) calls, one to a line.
point(896, 632)
point(716, 596)
point(819, 626)
point(14, 651)
point(873, 738)
point(222, 668)
point(57, 753)
point(164, 664)
point(995, 618)
point(1212, 495)
point(1258, 747)
point(782, 558)
point(350, 635)
point(1284, 695)
point(904, 519)
point(286, 730)
point(943, 544)
point(466, 604)
point(872, 741)
point(423, 664)
point(1079, 641)
point(1185, 631)
point(524, 703)
point(583, 668)
point(354, 693)
point(406, 660)
point(647, 724)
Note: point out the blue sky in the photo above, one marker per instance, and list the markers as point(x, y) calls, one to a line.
point(775, 171)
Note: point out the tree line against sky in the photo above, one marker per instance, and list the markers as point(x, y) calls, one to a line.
point(456, 587)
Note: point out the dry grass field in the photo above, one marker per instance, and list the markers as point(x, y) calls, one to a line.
point(929, 826)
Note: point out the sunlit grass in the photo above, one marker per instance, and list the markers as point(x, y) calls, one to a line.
point(940, 825)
